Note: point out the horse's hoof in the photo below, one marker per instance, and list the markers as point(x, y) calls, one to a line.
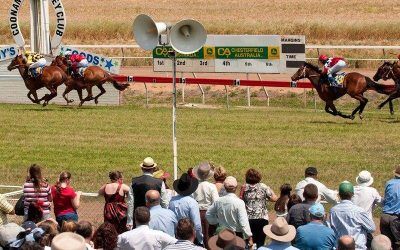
point(361, 116)
point(352, 117)
point(72, 100)
point(391, 112)
point(96, 101)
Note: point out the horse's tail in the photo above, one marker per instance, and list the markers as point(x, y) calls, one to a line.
point(117, 85)
point(380, 88)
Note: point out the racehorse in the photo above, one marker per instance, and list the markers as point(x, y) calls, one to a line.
point(354, 84)
point(51, 78)
point(92, 76)
point(387, 71)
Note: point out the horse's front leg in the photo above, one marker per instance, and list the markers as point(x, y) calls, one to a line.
point(35, 97)
point(391, 107)
point(336, 112)
point(53, 93)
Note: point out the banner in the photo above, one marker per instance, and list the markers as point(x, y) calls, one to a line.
point(108, 64)
point(8, 52)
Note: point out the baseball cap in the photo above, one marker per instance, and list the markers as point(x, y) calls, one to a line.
point(230, 182)
point(345, 187)
point(317, 210)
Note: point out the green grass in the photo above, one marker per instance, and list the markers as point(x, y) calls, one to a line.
point(281, 142)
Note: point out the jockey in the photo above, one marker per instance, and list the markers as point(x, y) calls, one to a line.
point(34, 61)
point(332, 66)
point(77, 61)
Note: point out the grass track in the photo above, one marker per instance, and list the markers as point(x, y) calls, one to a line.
point(91, 141)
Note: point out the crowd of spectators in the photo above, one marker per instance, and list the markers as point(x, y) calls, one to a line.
point(199, 213)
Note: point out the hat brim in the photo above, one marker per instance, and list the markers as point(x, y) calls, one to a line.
point(365, 184)
point(193, 186)
point(195, 171)
point(212, 242)
point(148, 167)
point(282, 238)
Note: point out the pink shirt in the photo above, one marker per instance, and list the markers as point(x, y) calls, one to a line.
point(63, 200)
point(31, 194)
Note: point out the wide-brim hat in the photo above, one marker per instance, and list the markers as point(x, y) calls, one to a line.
point(397, 172)
point(364, 178)
point(161, 174)
point(185, 185)
point(280, 230)
point(224, 239)
point(203, 171)
point(148, 163)
point(68, 240)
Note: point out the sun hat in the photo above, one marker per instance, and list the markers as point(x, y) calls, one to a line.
point(185, 185)
point(68, 241)
point(345, 187)
point(364, 178)
point(230, 182)
point(317, 210)
point(280, 230)
point(224, 239)
point(203, 171)
point(161, 174)
point(397, 172)
point(148, 163)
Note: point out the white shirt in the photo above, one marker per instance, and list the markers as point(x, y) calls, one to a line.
point(329, 195)
point(143, 237)
point(366, 198)
point(206, 194)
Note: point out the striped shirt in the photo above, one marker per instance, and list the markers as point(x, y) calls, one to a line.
point(183, 245)
point(31, 194)
point(5, 208)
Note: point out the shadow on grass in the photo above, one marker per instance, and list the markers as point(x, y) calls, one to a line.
point(334, 122)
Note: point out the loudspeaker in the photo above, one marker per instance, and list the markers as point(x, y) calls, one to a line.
point(147, 32)
point(187, 36)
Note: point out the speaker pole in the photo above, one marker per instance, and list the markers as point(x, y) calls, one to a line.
point(172, 54)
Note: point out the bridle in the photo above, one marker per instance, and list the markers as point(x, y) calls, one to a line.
point(303, 73)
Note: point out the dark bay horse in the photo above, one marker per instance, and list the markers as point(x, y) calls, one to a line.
point(51, 78)
point(354, 84)
point(388, 71)
point(92, 76)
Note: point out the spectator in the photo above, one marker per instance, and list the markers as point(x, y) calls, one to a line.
point(185, 206)
point(49, 232)
point(281, 207)
point(346, 242)
point(142, 184)
point(9, 233)
point(281, 234)
point(256, 196)
point(35, 213)
point(311, 175)
point(142, 237)
point(381, 242)
point(219, 177)
point(31, 245)
point(5, 208)
point(186, 234)
point(66, 201)
point(230, 212)
point(315, 235)
point(68, 241)
point(205, 195)
point(226, 239)
point(349, 219)
point(160, 218)
point(299, 214)
point(115, 208)
point(105, 237)
point(37, 192)
point(68, 226)
point(389, 224)
point(85, 229)
point(293, 200)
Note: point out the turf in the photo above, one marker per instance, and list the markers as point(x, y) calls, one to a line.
point(91, 141)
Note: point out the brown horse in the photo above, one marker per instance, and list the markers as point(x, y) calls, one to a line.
point(354, 84)
point(92, 76)
point(51, 78)
point(388, 71)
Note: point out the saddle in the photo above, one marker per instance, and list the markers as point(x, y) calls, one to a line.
point(35, 73)
point(337, 80)
point(76, 73)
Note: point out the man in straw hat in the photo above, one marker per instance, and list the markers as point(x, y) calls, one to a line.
point(185, 206)
point(281, 235)
point(390, 218)
point(68, 241)
point(205, 195)
point(230, 212)
point(349, 219)
point(226, 239)
point(142, 184)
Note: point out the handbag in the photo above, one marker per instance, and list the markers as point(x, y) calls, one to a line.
point(19, 206)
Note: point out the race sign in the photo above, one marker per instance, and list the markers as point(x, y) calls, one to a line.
point(108, 64)
point(293, 51)
point(8, 52)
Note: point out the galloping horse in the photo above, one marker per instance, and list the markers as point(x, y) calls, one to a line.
point(92, 76)
point(387, 71)
point(51, 78)
point(354, 84)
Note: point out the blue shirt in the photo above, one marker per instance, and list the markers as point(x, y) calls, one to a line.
point(315, 236)
point(187, 207)
point(163, 220)
point(349, 219)
point(276, 245)
point(391, 202)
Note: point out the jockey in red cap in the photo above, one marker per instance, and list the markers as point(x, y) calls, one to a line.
point(331, 66)
point(77, 61)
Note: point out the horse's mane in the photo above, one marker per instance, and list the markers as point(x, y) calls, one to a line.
point(313, 67)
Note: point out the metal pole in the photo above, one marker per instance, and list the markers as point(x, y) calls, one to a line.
point(248, 92)
point(227, 97)
point(147, 95)
point(174, 141)
point(183, 89)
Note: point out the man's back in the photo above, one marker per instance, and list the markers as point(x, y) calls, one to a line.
point(391, 203)
point(366, 198)
point(329, 195)
point(143, 237)
point(163, 220)
point(315, 236)
point(276, 245)
point(142, 184)
point(299, 214)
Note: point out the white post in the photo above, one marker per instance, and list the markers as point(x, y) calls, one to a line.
point(45, 28)
point(174, 141)
point(34, 10)
point(40, 30)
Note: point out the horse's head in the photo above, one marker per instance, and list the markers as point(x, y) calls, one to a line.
point(306, 71)
point(59, 61)
point(385, 71)
point(18, 61)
